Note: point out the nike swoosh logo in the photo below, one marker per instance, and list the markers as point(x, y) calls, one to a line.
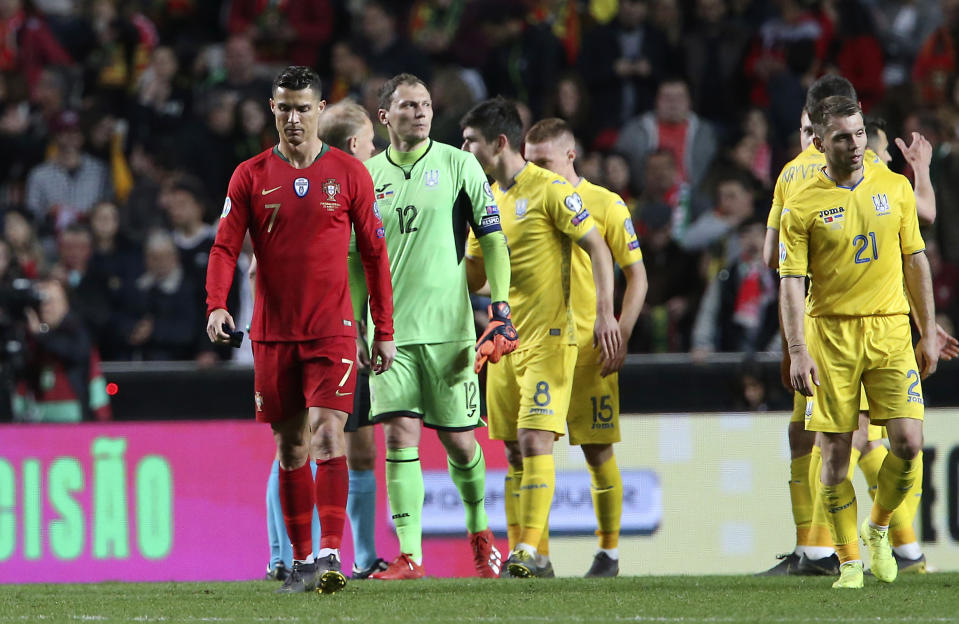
point(267, 192)
point(338, 393)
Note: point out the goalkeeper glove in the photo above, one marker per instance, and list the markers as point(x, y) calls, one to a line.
point(499, 338)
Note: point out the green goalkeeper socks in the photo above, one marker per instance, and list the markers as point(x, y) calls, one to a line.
point(470, 480)
point(404, 487)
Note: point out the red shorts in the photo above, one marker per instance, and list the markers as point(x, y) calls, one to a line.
point(289, 377)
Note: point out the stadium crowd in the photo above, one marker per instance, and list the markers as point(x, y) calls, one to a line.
point(122, 120)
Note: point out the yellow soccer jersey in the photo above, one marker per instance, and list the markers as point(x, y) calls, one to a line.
point(851, 241)
point(800, 170)
point(615, 225)
point(541, 215)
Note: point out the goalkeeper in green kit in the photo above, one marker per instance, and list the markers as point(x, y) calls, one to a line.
point(429, 195)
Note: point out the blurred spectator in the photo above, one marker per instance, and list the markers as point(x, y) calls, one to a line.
point(945, 288)
point(674, 126)
point(255, 131)
point(62, 381)
point(570, 102)
point(856, 52)
point(184, 204)
point(716, 231)
point(142, 211)
point(622, 63)
point(663, 185)
point(714, 55)
point(74, 269)
point(738, 310)
point(524, 60)
point(615, 177)
point(667, 17)
point(452, 98)
point(754, 150)
point(434, 24)
point(674, 287)
point(902, 27)
point(19, 233)
point(124, 42)
point(240, 75)
point(290, 32)
point(164, 321)
point(936, 59)
point(163, 100)
point(385, 48)
point(117, 262)
point(349, 73)
point(26, 43)
point(206, 146)
point(64, 188)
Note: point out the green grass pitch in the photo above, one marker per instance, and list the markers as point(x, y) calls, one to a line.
point(680, 599)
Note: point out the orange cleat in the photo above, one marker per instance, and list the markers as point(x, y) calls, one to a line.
point(403, 568)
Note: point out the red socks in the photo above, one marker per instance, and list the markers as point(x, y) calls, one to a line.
point(332, 489)
point(296, 500)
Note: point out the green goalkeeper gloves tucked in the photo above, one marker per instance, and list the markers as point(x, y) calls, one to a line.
point(499, 338)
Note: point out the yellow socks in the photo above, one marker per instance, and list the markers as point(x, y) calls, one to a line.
point(607, 492)
point(901, 529)
point(513, 480)
point(839, 503)
point(870, 463)
point(536, 496)
point(800, 495)
point(896, 478)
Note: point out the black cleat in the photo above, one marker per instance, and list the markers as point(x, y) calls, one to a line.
point(787, 565)
point(302, 579)
point(522, 564)
point(329, 577)
point(603, 566)
point(380, 565)
point(826, 566)
point(911, 566)
point(279, 572)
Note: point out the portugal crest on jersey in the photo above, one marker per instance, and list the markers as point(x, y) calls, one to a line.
point(331, 187)
point(301, 186)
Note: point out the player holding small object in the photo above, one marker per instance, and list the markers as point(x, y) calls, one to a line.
point(430, 196)
point(528, 393)
point(299, 200)
point(857, 236)
point(593, 418)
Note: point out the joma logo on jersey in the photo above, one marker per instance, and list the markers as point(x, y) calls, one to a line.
point(881, 202)
point(832, 215)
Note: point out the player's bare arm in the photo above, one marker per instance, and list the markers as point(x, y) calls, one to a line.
point(475, 274)
point(636, 287)
point(803, 372)
point(915, 268)
point(919, 156)
point(606, 335)
point(771, 248)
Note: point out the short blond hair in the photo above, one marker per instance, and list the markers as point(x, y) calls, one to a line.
point(340, 122)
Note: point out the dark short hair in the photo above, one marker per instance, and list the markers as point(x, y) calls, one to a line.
point(548, 129)
point(384, 96)
point(828, 86)
point(495, 117)
point(832, 107)
point(873, 126)
point(297, 78)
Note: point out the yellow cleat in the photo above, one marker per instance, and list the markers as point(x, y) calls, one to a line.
point(850, 576)
point(881, 562)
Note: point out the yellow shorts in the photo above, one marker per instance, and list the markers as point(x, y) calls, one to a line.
point(872, 354)
point(530, 389)
point(593, 407)
point(802, 407)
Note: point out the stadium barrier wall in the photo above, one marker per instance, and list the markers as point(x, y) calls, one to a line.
point(704, 493)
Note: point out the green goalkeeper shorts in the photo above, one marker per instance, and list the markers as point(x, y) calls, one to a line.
point(434, 382)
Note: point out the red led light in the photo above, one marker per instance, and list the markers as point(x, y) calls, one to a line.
point(112, 389)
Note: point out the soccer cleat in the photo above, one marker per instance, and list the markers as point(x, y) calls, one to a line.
point(910, 566)
point(603, 566)
point(522, 564)
point(329, 577)
point(278, 572)
point(826, 566)
point(850, 576)
point(486, 557)
point(403, 568)
point(377, 566)
point(786, 565)
point(881, 562)
point(302, 579)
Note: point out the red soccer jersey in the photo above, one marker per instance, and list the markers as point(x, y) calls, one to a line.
point(299, 220)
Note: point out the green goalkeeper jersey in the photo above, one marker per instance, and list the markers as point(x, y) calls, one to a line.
point(428, 200)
